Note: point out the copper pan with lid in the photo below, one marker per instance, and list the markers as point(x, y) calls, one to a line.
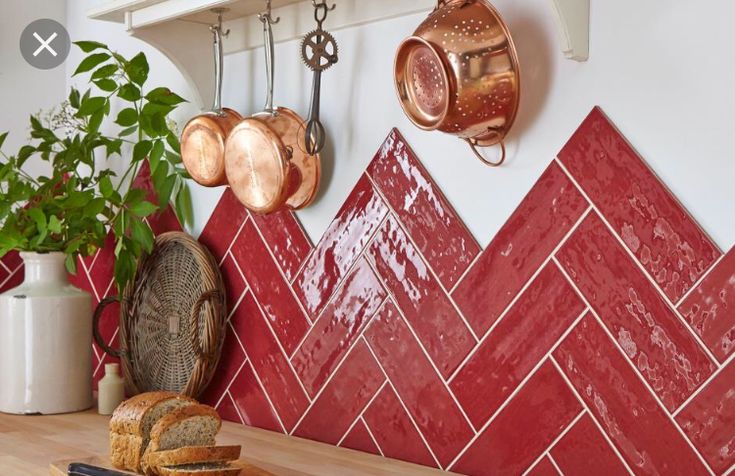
point(203, 137)
point(265, 162)
point(459, 74)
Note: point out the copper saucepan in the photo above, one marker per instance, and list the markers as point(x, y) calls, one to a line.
point(203, 138)
point(459, 74)
point(266, 164)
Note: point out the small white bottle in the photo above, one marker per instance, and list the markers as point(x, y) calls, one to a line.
point(110, 390)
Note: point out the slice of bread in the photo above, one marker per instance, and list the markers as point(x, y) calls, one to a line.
point(193, 425)
point(131, 424)
point(190, 455)
point(205, 469)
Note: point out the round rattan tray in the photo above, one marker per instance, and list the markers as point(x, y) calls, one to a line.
point(172, 318)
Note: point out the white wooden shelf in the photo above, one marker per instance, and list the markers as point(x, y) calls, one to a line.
point(180, 28)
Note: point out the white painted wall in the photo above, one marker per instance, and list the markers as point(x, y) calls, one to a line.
point(24, 90)
point(663, 71)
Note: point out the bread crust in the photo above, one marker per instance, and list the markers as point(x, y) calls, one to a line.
point(190, 455)
point(172, 471)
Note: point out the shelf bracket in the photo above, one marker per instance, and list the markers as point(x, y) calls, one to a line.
point(573, 20)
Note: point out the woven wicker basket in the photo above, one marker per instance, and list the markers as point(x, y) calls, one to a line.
point(172, 318)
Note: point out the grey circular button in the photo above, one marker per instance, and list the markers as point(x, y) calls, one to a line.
point(45, 43)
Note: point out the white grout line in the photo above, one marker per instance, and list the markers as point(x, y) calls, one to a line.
point(556, 440)
point(283, 275)
point(729, 471)
point(232, 380)
point(362, 412)
point(426, 354)
point(553, 463)
point(234, 405)
point(592, 416)
point(234, 239)
point(4, 266)
point(341, 286)
point(519, 294)
point(423, 259)
point(700, 280)
point(370, 432)
point(99, 364)
point(645, 272)
point(636, 372)
point(267, 397)
point(520, 385)
point(704, 385)
point(403, 405)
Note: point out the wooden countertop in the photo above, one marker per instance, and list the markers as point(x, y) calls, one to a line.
point(30, 444)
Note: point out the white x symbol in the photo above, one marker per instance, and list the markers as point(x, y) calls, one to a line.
point(45, 44)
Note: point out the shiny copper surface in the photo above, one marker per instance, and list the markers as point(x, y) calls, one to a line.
point(257, 166)
point(289, 126)
point(203, 146)
point(459, 73)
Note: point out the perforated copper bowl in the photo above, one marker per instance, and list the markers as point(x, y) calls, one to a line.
point(459, 74)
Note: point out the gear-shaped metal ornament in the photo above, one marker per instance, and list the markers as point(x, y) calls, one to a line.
point(319, 50)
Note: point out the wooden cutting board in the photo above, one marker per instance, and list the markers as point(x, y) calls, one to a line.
point(59, 468)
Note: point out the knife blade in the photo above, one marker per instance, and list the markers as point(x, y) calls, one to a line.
point(83, 469)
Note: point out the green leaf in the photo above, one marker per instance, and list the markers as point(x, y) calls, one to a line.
point(54, 224)
point(95, 207)
point(88, 46)
point(127, 117)
point(113, 147)
point(143, 209)
point(141, 233)
point(164, 96)
point(91, 105)
point(173, 142)
point(106, 84)
point(183, 206)
point(127, 132)
point(104, 71)
point(39, 218)
point(70, 262)
point(74, 98)
point(137, 69)
point(95, 121)
point(154, 158)
point(129, 92)
point(36, 124)
point(106, 188)
point(2, 138)
point(164, 191)
point(90, 62)
point(141, 149)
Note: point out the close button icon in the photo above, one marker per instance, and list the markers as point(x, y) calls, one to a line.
point(45, 43)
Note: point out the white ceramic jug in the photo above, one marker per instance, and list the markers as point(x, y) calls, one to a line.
point(45, 341)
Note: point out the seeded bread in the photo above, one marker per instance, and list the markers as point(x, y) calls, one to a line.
point(131, 424)
point(193, 425)
point(190, 455)
point(206, 469)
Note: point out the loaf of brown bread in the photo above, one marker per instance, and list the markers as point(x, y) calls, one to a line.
point(132, 422)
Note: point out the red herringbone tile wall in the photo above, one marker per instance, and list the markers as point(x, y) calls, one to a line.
point(594, 334)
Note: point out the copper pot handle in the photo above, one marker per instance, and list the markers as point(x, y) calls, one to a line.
point(195, 311)
point(95, 327)
point(473, 146)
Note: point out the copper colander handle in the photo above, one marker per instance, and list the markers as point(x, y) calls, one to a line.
point(473, 146)
point(96, 327)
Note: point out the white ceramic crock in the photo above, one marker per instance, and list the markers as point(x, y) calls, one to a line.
point(45, 341)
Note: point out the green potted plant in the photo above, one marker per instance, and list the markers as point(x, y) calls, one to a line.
point(54, 219)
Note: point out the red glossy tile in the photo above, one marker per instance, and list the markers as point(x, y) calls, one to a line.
point(583, 451)
point(544, 404)
point(285, 238)
point(393, 430)
point(435, 412)
point(438, 232)
point(277, 377)
point(709, 420)
point(654, 339)
point(530, 329)
point(537, 226)
point(359, 439)
point(545, 468)
point(653, 224)
point(339, 325)
point(12, 260)
point(15, 279)
point(251, 401)
point(342, 243)
point(343, 398)
point(234, 283)
point(270, 288)
point(164, 221)
point(4, 274)
point(223, 224)
point(626, 410)
point(230, 361)
point(710, 308)
point(226, 409)
point(445, 336)
point(102, 272)
point(79, 280)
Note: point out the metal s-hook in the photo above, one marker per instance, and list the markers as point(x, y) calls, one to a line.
point(321, 9)
point(218, 25)
point(266, 15)
point(218, 59)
